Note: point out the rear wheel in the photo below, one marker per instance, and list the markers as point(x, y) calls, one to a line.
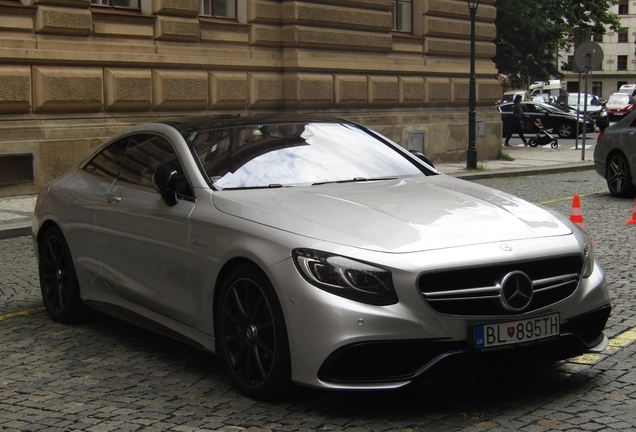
point(619, 176)
point(533, 142)
point(252, 334)
point(58, 280)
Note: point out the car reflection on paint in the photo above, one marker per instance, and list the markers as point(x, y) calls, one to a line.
point(312, 250)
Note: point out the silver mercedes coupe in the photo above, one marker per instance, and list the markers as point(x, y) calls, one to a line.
point(312, 250)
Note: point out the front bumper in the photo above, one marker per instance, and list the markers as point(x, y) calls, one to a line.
point(417, 361)
point(336, 343)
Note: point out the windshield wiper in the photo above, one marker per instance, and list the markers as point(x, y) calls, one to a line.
point(270, 186)
point(353, 180)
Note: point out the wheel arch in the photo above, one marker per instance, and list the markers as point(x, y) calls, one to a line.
point(43, 229)
point(222, 275)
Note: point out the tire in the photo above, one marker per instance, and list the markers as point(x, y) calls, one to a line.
point(554, 144)
point(533, 142)
point(58, 280)
point(566, 130)
point(252, 333)
point(619, 176)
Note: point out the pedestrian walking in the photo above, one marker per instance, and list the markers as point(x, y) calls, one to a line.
point(515, 122)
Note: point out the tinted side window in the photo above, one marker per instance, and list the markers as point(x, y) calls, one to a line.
point(106, 163)
point(506, 108)
point(145, 154)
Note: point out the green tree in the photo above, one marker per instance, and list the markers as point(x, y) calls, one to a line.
point(530, 33)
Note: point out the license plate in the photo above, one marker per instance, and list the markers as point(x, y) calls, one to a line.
point(618, 113)
point(516, 332)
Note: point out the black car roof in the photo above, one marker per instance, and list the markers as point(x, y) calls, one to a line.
point(186, 125)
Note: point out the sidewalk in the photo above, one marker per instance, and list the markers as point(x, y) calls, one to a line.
point(16, 212)
point(527, 161)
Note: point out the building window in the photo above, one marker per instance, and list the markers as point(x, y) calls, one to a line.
point(597, 37)
point(622, 37)
point(597, 88)
point(623, 7)
point(622, 63)
point(219, 8)
point(130, 4)
point(571, 62)
point(402, 12)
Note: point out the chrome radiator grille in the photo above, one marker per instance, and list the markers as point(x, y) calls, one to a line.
point(477, 291)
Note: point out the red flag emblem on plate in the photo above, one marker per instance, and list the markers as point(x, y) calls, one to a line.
point(511, 331)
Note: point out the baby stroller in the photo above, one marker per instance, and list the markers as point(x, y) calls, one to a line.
point(543, 137)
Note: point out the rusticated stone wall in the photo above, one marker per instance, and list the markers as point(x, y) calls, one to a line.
point(72, 74)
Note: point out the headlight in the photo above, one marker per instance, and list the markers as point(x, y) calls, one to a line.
point(588, 255)
point(603, 113)
point(346, 277)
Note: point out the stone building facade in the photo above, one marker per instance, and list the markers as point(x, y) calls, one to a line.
point(73, 73)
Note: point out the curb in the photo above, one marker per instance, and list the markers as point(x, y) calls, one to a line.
point(503, 173)
point(13, 230)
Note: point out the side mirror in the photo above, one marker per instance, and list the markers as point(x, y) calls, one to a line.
point(422, 157)
point(165, 181)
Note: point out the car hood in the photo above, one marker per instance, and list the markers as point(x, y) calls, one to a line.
point(590, 108)
point(401, 215)
point(616, 106)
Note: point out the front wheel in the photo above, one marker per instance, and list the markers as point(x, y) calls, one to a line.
point(619, 176)
point(565, 130)
point(58, 281)
point(554, 144)
point(252, 333)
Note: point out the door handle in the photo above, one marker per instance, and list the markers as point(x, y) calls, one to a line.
point(113, 199)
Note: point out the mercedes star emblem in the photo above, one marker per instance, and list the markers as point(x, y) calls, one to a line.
point(516, 291)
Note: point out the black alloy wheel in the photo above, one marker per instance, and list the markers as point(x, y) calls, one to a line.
point(253, 338)
point(619, 176)
point(58, 280)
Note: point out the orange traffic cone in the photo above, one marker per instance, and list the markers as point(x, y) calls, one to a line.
point(632, 221)
point(575, 215)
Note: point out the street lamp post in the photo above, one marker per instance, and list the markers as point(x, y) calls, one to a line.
point(471, 154)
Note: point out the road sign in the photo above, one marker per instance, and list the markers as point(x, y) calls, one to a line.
point(589, 55)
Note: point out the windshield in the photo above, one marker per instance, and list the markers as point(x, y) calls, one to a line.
point(619, 99)
point(296, 154)
point(573, 98)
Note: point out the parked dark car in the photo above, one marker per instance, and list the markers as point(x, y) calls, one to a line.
point(619, 105)
point(615, 156)
point(563, 123)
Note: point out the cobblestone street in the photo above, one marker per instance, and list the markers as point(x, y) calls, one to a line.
point(108, 375)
